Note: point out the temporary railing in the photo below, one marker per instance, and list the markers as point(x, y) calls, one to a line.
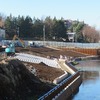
point(62, 44)
point(57, 91)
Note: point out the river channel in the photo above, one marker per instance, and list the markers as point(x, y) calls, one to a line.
point(90, 87)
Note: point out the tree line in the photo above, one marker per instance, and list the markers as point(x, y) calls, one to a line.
point(55, 29)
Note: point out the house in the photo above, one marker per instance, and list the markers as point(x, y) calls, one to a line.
point(71, 36)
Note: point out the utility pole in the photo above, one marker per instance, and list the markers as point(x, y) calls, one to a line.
point(18, 31)
point(44, 33)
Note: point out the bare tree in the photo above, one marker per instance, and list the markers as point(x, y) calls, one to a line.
point(90, 34)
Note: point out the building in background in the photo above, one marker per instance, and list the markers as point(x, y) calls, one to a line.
point(71, 36)
point(2, 34)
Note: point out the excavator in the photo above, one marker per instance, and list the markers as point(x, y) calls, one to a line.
point(10, 50)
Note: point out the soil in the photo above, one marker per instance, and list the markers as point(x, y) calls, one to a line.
point(18, 83)
point(43, 72)
point(44, 51)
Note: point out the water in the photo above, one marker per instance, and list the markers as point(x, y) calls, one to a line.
point(90, 88)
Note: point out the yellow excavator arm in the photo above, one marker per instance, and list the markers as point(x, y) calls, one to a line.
point(20, 40)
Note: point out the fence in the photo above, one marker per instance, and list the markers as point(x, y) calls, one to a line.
point(62, 44)
point(69, 44)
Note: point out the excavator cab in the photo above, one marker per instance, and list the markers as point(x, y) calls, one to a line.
point(10, 50)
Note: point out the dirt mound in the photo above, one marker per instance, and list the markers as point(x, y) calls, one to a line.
point(18, 83)
point(44, 72)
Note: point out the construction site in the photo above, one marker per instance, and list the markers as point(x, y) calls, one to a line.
point(28, 72)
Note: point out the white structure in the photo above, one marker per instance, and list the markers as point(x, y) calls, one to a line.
point(71, 36)
point(2, 34)
point(36, 59)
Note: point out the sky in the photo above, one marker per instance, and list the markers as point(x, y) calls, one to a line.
point(82, 10)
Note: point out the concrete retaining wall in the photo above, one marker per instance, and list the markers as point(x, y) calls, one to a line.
point(59, 79)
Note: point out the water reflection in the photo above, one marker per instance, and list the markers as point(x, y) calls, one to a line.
point(89, 75)
point(90, 87)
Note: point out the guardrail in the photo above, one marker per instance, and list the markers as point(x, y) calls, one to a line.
point(71, 84)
